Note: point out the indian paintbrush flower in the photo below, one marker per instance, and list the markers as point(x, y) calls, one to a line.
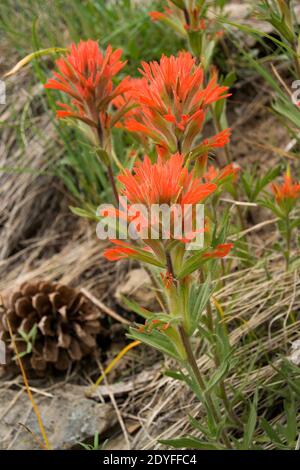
point(164, 183)
point(167, 106)
point(173, 103)
point(286, 196)
point(86, 76)
point(287, 193)
point(191, 21)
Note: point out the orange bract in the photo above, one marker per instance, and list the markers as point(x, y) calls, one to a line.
point(220, 251)
point(122, 250)
point(190, 20)
point(287, 190)
point(156, 15)
point(85, 74)
point(173, 101)
point(164, 182)
point(228, 173)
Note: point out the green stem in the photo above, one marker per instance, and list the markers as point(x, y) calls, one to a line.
point(193, 364)
point(156, 286)
point(297, 66)
point(231, 413)
point(110, 173)
point(112, 182)
point(288, 242)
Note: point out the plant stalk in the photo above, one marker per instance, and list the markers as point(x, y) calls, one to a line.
point(223, 391)
point(288, 242)
point(192, 362)
point(110, 173)
point(112, 182)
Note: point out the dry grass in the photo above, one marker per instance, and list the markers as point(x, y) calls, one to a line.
point(255, 307)
point(41, 239)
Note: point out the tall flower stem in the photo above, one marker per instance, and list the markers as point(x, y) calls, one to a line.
point(297, 65)
point(288, 241)
point(193, 364)
point(112, 182)
point(110, 173)
point(223, 391)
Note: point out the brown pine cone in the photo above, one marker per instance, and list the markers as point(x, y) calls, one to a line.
point(63, 322)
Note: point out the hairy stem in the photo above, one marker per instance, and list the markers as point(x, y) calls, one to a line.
point(231, 413)
point(110, 173)
point(193, 364)
point(288, 242)
point(112, 182)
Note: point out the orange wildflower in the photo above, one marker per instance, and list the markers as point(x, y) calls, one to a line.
point(86, 74)
point(286, 191)
point(156, 15)
point(166, 182)
point(173, 102)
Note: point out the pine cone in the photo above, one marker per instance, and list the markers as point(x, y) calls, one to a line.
point(67, 325)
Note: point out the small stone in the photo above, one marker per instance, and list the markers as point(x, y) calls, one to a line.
point(67, 415)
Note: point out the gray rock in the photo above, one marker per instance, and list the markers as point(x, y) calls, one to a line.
point(68, 417)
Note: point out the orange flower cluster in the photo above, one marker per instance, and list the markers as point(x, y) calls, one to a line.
point(286, 190)
point(172, 103)
point(287, 193)
point(165, 182)
point(86, 74)
point(177, 12)
point(186, 17)
point(219, 177)
point(167, 105)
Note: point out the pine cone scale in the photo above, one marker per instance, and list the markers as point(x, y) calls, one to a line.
point(67, 325)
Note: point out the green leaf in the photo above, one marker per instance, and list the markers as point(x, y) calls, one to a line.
point(250, 425)
point(174, 374)
point(257, 32)
point(217, 376)
point(287, 109)
point(271, 433)
point(196, 425)
point(254, 186)
point(136, 308)
point(190, 443)
point(291, 425)
point(156, 340)
point(191, 264)
point(272, 206)
point(220, 106)
point(199, 296)
point(35, 55)
point(85, 213)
